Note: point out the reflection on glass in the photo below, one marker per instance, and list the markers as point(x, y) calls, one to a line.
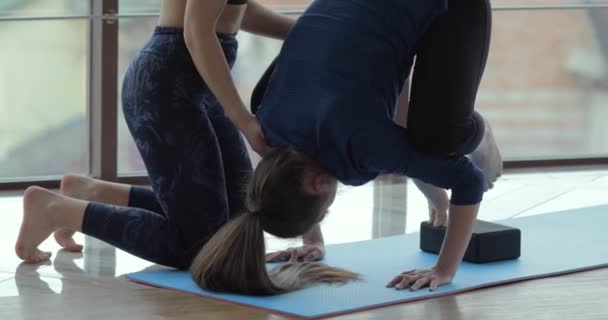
point(544, 89)
point(43, 88)
point(138, 6)
point(150, 6)
point(390, 206)
point(29, 8)
point(546, 3)
point(133, 33)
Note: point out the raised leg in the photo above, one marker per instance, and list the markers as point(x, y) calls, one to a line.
point(89, 189)
point(450, 60)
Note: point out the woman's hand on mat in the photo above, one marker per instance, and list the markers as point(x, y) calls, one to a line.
point(416, 279)
point(305, 253)
point(252, 130)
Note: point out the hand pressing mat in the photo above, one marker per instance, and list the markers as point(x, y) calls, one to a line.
point(552, 244)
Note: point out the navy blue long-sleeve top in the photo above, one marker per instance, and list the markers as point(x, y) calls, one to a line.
point(335, 87)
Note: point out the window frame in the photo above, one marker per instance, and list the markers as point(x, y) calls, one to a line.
point(102, 97)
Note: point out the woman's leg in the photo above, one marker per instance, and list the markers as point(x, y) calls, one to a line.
point(450, 59)
point(162, 107)
point(182, 156)
point(119, 194)
point(237, 164)
point(162, 95)
point(138, 231)
point(44, 212)
point(89, 189)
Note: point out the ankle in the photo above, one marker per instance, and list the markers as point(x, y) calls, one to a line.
point(52, 209)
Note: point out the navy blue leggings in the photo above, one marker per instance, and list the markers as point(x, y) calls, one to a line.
point(195, 157)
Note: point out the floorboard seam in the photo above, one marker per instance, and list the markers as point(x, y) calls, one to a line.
point(542, 202)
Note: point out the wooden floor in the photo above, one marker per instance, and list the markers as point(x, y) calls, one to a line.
point(92, 285)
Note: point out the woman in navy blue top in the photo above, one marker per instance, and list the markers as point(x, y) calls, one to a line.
point(331, 95)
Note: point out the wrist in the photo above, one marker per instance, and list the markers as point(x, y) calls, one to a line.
point(238, 117)
point(312, 241)
point(318, 245)
point(445, 270)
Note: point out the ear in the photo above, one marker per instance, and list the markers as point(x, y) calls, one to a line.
point(316, 182)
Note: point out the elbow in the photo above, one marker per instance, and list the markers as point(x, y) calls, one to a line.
point(195, 32)
point(190, 32)
point(188, 37)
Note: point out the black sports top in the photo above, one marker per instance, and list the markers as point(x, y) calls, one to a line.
point(237, 1)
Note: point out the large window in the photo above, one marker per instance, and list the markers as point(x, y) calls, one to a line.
point(43, 89)
point(545, 85)
point(545, 89)
point(255, 54)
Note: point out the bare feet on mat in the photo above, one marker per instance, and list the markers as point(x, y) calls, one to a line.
point(487, 157)
point(37, 225)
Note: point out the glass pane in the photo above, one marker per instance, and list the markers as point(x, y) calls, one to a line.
point(151, 6)
point(545, 88)
point(12, 8)
point(547, 3)
point(286, 4)
point(255, 54)
point(43, 90)
point(139, 6)
point(133, 33)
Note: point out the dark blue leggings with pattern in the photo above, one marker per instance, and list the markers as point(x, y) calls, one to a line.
point(195, 157)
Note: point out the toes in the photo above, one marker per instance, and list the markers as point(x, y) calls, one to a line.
point(43, 256)
point(66, 241)
point(73, 247)
point(37, 257)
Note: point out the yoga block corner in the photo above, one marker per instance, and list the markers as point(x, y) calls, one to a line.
point(490, 242)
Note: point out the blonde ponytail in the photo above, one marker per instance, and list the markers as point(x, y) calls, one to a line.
point(233, 260)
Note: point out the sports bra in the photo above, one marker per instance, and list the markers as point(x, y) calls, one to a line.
point(237, 1)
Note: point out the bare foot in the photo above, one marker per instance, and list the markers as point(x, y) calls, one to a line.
point(487, 157)
point(36, 226)
point(438, 201)
point(78, 187)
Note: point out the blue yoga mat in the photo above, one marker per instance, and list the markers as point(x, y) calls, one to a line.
point(552, 244)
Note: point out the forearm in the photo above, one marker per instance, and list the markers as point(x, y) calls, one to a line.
point(458, 235)
point(265, 22)
point(313, 236)
point(208, 57)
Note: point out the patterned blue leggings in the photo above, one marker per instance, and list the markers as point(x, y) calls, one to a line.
point(195, 157)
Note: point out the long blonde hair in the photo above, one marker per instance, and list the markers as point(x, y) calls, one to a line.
point(233, 260)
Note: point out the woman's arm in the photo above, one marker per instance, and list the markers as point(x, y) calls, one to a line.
point(265, 22)
point(202, 42)
point(460, 227)
point(314, 236)
point(458, 235)
point(457, 173)
point(313, 248)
